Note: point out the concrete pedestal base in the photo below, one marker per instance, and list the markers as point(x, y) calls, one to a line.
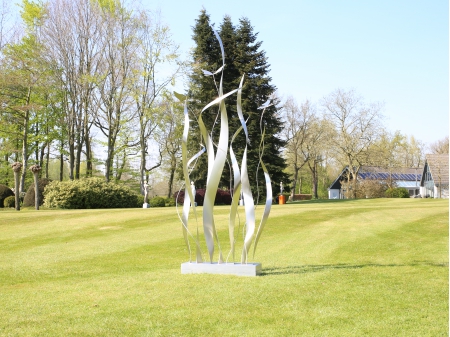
point(238, 269)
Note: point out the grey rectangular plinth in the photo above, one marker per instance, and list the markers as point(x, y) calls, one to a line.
point(238, 269)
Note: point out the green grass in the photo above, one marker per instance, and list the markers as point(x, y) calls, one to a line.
point(343, 268)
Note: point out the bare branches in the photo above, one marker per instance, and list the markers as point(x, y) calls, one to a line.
point(307, 135)
point(358, 126)
point(440, 147)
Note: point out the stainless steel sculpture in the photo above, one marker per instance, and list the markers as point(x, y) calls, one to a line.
point(217, 157)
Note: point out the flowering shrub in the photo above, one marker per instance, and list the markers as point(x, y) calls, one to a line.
point(222, 197)
point(88, 193)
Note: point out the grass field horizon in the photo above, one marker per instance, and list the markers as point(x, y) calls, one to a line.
point(372, 267)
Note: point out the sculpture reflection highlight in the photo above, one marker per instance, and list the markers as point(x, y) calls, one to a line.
point(216, 159)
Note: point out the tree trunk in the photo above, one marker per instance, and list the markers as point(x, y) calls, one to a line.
point(109, 160)
point(24, 150)
point(78, 158)
point(315, 179)
point(42, 155)
point(89, 166)
point(86, 134)
point(143, 160)
point(36, 190)
point(47, 161)
point(121, 168)
point(171, 177)
point(61, 162)
point(71, 156)
point(61, 168)
point(7, 171)
point(16, 190)
point(353, 183)
point(36, 144)
point(294, 181)
point(16, 168)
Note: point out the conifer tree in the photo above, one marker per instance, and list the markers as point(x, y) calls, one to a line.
point(242, 57)
point(202, 89)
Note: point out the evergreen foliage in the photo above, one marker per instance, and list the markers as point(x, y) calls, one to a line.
point(29, 199)
point(243, 56)
point(5, 192)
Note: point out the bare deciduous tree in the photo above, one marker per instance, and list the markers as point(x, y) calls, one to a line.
point(118, 50)
point(172, 129)
point(307, 135)
point(298, 121)
point(151, 79)
point(72, 33)
point(440, 146)
point(357, 126)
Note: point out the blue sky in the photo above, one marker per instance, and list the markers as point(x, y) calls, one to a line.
point(396, 52)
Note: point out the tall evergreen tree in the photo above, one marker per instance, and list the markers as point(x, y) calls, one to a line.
point(252, 61)
point(202, 89)
point(242, 57)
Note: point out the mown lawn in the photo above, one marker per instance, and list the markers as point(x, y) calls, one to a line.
point(337, 268)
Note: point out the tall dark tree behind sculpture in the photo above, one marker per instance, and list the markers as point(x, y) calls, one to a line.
point(243, 56)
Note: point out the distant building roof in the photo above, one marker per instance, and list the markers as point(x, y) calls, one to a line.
point(407, 177)
point(393, 176)
point(438, 166)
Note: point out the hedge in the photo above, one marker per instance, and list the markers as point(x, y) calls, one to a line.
point(89, 193)
point(222, 197)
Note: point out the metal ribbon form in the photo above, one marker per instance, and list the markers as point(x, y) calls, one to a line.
point(217, 157)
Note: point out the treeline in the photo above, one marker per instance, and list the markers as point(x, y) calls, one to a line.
point(342, 130)
point(82, 73)
point(85, 83)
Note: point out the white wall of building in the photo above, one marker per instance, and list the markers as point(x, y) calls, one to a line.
point(333, 194)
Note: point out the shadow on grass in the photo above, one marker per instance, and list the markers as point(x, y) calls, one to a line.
point(317, 268)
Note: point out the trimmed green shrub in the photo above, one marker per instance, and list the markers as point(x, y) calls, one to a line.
point(140, 200)
point(298, 197)
point(10, 201)
point(28, 200)
point(88, 193)
point(397, 192)
point(170, 202)
point(5, 192)
point(157, 202)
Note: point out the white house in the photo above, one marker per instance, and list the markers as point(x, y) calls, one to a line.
point(408, 178)
point(434, 182)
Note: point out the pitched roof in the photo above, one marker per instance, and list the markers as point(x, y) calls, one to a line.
point(402, 174)
point(395, 173)
point(438, 164)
